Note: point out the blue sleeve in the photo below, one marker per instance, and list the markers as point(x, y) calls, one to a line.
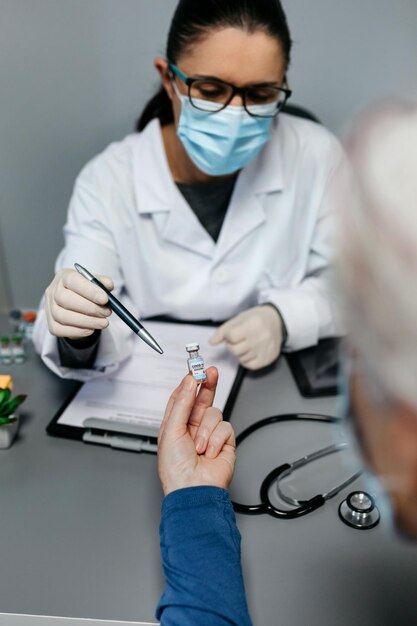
point(200, 550)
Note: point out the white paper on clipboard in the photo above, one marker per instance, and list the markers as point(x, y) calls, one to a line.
point(138, 392)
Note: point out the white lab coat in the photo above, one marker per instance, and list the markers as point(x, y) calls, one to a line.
point(128, 220)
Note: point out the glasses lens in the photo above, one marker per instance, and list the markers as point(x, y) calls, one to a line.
point(210, 95)
point(265, 101)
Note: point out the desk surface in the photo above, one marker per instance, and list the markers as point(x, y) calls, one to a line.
point(82, 523)
point(6, 619)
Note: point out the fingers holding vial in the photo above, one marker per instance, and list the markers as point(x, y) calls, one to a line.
point(180, 464)
point(206, 425)
point(204, 400)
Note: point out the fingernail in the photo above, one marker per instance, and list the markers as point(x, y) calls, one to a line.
point(200, 444)
point(101, 297)
point(211, 450)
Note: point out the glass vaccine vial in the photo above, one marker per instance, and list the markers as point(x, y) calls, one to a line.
point(6, 357)
point(195, 362)
point(18, 350)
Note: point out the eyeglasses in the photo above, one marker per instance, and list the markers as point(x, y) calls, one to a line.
point(214, 95)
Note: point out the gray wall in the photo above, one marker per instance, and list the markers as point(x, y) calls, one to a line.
point(5, 298)
point(74, 75)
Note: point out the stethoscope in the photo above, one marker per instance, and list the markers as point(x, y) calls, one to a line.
point(358, 510)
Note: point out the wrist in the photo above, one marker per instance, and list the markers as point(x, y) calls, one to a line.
point(282, 322)
point(84, 342)
point(176, 479)
point(171, 486)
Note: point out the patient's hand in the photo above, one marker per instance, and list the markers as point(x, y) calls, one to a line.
point(195, 446)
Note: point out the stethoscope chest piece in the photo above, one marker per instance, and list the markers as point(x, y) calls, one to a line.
point(359, 511)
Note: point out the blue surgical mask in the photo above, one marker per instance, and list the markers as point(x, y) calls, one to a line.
point(224, 142)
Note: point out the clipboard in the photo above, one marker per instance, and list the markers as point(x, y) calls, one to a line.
point(128, 435)
point(316, 369)
point(15, 619)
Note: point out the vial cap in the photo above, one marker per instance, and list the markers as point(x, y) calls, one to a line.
point(192, 347)
point(15, 314)
point(29, 316)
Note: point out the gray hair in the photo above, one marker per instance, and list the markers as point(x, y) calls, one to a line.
point(378, 248)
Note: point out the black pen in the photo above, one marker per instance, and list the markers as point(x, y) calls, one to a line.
point(121, 311)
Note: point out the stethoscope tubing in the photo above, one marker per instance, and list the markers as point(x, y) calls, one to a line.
point(305, 506)
point(285, 417)
point(266, 507)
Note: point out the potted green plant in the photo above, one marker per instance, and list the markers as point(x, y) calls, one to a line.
point(9, 421)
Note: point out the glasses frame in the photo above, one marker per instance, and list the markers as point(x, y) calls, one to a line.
point(241, 91)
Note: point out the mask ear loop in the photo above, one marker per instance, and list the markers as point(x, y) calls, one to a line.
point(177, 92)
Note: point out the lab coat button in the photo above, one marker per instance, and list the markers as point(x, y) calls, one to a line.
point(221, 276)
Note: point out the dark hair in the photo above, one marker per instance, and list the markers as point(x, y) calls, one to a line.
point(193, 20)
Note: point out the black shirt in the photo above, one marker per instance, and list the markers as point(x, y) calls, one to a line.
point(210, 202)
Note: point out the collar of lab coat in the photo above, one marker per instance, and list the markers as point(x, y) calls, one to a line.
point(157, 194)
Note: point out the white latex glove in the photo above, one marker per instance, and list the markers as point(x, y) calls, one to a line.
point(74, 306)
point(254, 336)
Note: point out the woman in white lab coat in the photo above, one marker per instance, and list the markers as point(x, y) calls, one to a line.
point(219, 208)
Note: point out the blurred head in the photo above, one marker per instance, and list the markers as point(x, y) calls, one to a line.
point(378, 276)
point(242, 42)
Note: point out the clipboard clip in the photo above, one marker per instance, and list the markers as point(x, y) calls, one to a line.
point(120, 435)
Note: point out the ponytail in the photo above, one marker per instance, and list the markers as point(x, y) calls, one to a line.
point(160, 107)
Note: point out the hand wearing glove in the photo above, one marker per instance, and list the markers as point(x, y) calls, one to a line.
point(195, 446)
point(75, 307)
point(254, 336)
